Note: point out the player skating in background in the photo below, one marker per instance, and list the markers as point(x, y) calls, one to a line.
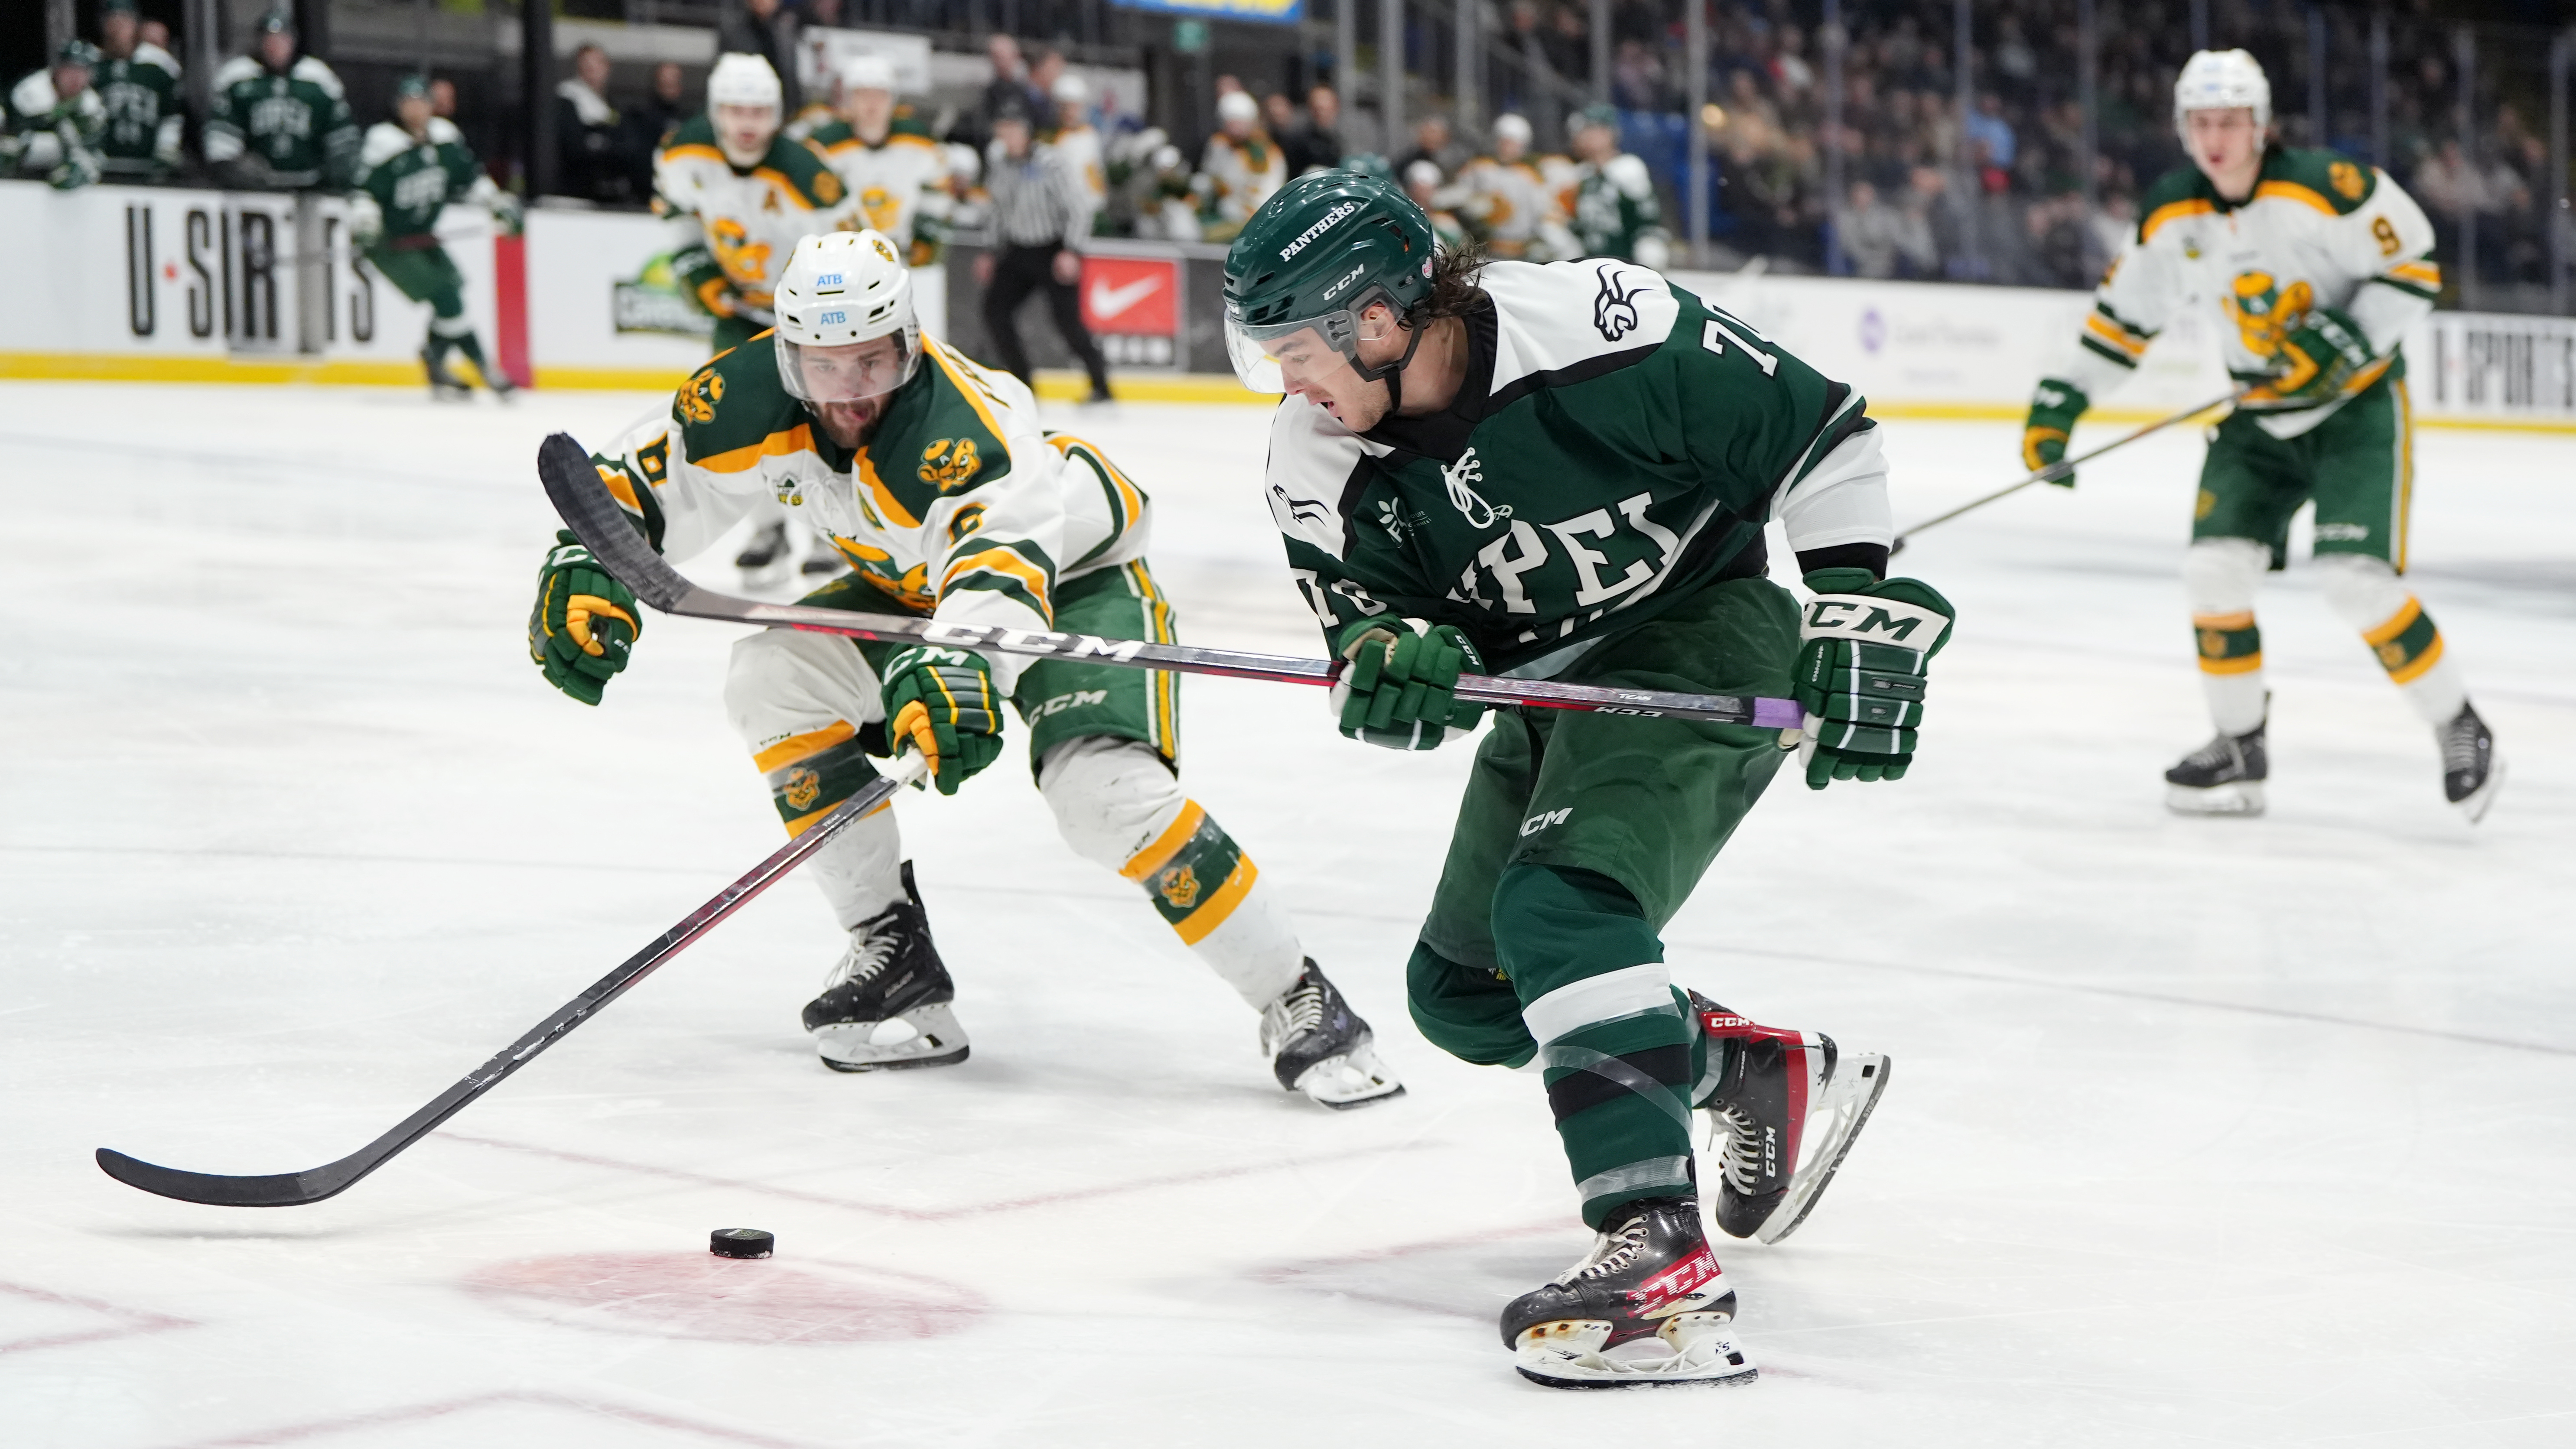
point(898, 173)
point(409, 169)
point(1506, 199)
point(933, 476)
point(1564, 471)
point(739, 194)
point(2317, 265)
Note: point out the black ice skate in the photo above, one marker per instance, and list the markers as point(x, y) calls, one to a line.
point(2223, 777)
point(1319, 1046)
point(887, 1003)
point(1782, 1116)
point(444, 386)
point(766, 547)
point(2472, 772)
point(825, 559)
point(1648, 1305)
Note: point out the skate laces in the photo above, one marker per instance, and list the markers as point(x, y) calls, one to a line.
point(1611, 1253)
point(2460, 745)
point(2220, 750)
point(865, 960)
point(1299, 1010)
point(1739, 1157)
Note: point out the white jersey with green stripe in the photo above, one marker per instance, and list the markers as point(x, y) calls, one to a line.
point(2320, 230)
point(1617, 445)
point(958, 505)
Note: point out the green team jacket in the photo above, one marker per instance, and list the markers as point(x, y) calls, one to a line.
point(413, 178)
point(1618, 444)
point(143, 113)
point(49, 137)
point(1614, 205)
point(298, 122)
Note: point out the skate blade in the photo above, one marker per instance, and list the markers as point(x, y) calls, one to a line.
point(2242, 798)
point(1354, 1079)
point(1859, 1079)
point(1574, 1361)
point(936, 1041)
point(2474, 804)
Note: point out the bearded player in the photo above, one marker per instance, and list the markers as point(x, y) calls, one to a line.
point(1563, 472)
point(932, 477)
point(2318, 264)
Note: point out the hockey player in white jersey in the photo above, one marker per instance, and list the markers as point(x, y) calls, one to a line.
point(1505, 198)
point(2316, 264)
point(898, 171)
point(932, 476)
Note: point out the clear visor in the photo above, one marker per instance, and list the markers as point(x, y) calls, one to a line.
point(851, 372)
point(1275, 358)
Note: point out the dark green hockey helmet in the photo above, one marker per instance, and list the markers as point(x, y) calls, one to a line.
point(1326, 248)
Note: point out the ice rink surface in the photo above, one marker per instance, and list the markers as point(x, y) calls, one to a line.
point(2216, 1132)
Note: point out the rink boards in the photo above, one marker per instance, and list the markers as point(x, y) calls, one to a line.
point(167, 284)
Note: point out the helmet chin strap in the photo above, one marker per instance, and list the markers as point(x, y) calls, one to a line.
point(1391, 373)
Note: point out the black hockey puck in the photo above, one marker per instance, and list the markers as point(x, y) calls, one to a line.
point(741, 1243)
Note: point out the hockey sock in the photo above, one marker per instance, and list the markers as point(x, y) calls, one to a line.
point(1117, 802)
point(1615, 1042)
point(454, 333)
point(2367, 594)
point(2220, 575)
point(808, 775)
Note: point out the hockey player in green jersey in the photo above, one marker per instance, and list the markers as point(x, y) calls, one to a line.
point(55, 120)
point(1563, 472)
point(1614, 210)
point(931, 475)
point(409, 170)
point(278, 119)
point(2316, 265)
point(139, 84)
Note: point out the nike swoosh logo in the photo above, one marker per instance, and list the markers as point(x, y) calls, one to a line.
point(1108, 301)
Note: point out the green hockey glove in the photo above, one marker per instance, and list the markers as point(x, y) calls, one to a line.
point(1861, 656)
point(2321, 357)
point(1397, 690)
point(585, 623)
point(2053, 411)
point(942, 703)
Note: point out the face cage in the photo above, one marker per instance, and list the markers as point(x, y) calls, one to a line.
point(791, 369)
point(1340, 329)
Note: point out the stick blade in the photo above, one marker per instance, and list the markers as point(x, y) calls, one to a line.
point(573, 484)
point(284, 1189)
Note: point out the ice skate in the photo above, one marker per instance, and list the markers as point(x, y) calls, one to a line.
point(2472, 771)
point(1781, 1118)
point(444, 385)
point(825, 559)
point(1648, 1305)
point(2223, 777)
point(887, 1003)
point(767, 547)
point(1319, 1046)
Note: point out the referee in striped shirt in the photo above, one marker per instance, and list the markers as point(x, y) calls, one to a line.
point(1041, 214)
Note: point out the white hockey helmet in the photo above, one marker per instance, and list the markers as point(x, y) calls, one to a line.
point(1511, 127)
point(965, 163)
point(867, 71)
point(842, 288)
point(1071, 90)
point(1237, 106)
point(2220, 80)
point(743, 80)
point(1425, 172)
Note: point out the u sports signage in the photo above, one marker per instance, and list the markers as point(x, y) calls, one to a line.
point(1133, 307)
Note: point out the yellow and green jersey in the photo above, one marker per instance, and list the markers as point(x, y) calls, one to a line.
point(737, 225)
point(958, 506)
point(900, 181)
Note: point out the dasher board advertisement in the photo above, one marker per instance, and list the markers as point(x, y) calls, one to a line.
point(1133, 307)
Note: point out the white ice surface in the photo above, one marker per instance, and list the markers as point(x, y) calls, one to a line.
point(2201, 1132)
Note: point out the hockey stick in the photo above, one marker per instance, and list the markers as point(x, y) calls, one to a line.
point(293, 1189)
point(2064, 466)
point(592, 513)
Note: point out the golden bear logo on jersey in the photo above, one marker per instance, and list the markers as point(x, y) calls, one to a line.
point(826, 187)
point(699, 396)
point(880, 206)
point(743, 259)
point(1180, 886)
point(949, 464)
point(2267, 312)
point(2345, 178)
point(804, 787)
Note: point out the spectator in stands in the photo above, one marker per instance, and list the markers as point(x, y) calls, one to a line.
point(155, 33)
point(761, 28)
point(442, 99)
point(1869, 230)
point(660, 114)
point(591, 139)
point(1241, 169)
point(1318, 142)
point(1041, 217)
point(1987, 127)
point(1279, 118)
point(1043, 74)
point(1433, 143)
point(1008, 90)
